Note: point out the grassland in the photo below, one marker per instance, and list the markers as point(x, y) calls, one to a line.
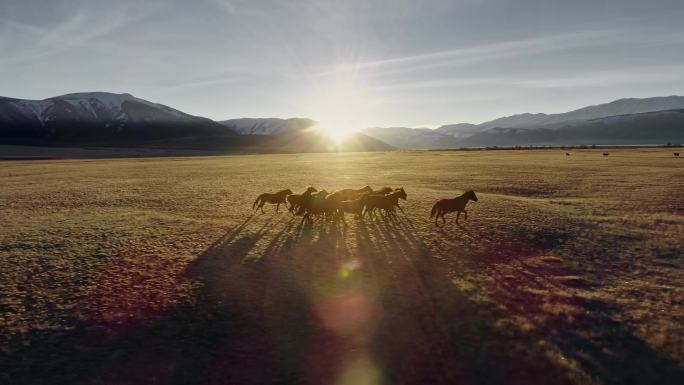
point(569, 270)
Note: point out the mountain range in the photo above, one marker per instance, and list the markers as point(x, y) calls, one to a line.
point(122, 120)
point(655, 120)
point(99, 118)
point(267, 126)
point(107, 119)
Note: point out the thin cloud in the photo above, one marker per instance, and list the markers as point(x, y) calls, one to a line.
point(80, 30)
point(622, 76)
point(512, 48)
point(603, 78)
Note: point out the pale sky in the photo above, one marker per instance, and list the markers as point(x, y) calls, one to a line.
point(384, 63)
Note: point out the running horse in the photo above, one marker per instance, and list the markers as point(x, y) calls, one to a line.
point(350, 194)
point(386, 202)
point(445, 206)
point(296, 200)
point(275, 199)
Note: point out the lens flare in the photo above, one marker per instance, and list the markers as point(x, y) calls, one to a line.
point(349, 267)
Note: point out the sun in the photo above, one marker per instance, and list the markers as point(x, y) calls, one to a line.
point(342, 107)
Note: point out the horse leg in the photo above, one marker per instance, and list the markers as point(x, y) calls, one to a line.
point(466, 214)
point(400, 209)
point(277, 207)
point(443, 217)
point(458, 216)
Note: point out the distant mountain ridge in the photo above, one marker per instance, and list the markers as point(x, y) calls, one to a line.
point(103, 119)
point(99, 118)
point(617, 107)
point(107, 119)
point(658, 127)
point(267, 126)
point(654, 120)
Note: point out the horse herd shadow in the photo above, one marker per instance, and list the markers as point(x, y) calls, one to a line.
point(254, 318)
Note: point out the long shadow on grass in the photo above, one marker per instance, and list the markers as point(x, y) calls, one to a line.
point(255, 319)
point(572, 336)
point(218, 336)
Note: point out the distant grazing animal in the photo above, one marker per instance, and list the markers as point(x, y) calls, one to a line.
point(445, 206)
point(676, 153)
point(386, 202)
point(567, 154)
point(350, 194)
point(276, 198)
point(295, 200)
point(605, 154)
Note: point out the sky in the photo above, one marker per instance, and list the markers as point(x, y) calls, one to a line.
point(370, 63)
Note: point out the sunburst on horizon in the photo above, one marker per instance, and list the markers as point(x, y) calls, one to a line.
point(342, 108)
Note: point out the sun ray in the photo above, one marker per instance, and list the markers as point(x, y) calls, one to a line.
point(342, 107)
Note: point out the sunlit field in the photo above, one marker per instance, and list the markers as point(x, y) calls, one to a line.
point(569, 269)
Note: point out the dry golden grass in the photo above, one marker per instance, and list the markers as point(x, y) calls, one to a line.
point(569, 270)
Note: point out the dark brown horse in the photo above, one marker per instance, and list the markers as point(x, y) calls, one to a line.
point(445, 206)
point(349, 194)
point(295, 200)
point(386, 202)
point(272, 198)
point(318, 204)
point(383, 191)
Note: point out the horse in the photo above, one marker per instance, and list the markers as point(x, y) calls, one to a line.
point(676, 153)
point(444, 206)
point(385, 202)
point(567, 154)
point(276, 198)
point(352, 206)
point(605, 154)
point(295, 200)
point(316, 204)
point(383, 191)
point(350, 194)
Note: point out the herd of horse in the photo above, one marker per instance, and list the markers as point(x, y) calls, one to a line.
point(361, 202)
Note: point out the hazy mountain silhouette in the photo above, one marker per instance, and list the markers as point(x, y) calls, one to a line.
point(404, 137)
point(267, 126)
point(655, 120)
point(658, 127)
point(106, 119)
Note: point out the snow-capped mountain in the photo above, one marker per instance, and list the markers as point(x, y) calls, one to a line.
point(99, 116)
point(267, 126)
point(106, 119)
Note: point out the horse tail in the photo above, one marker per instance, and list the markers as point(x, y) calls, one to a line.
point(434, 210)
point(256, 202)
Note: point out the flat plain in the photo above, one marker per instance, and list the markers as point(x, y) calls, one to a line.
point(569, 269)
